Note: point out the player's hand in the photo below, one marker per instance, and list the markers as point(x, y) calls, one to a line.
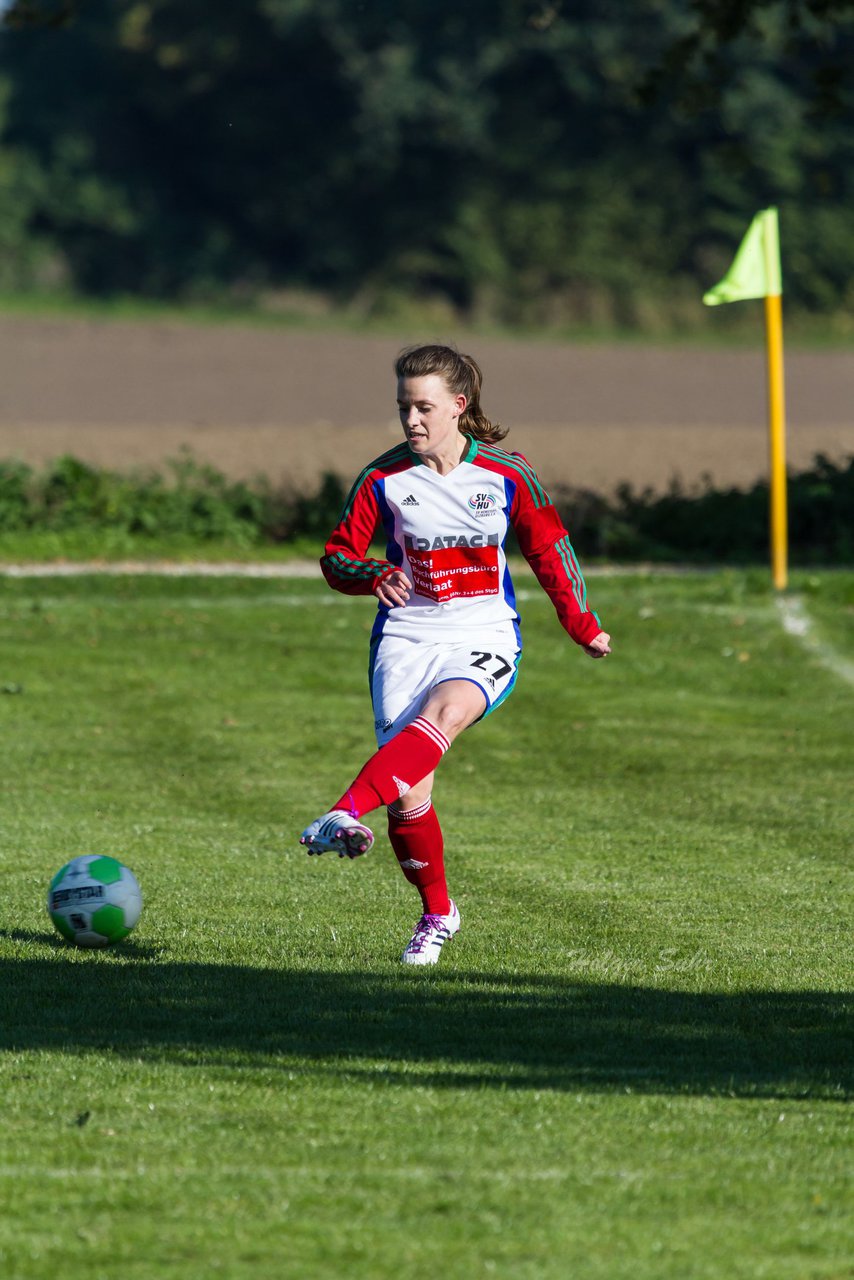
point(599, 646)
point(394, 590)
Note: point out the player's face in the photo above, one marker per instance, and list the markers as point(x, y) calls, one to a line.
point(430, 414)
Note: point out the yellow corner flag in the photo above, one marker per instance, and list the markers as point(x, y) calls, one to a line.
point(756, 273)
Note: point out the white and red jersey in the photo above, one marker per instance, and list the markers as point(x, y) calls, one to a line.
point(447, 534)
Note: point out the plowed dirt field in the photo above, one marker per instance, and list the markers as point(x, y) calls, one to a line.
point(293, 405)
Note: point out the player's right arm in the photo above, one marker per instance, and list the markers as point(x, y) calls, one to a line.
point(394, 589)
point(345, 563)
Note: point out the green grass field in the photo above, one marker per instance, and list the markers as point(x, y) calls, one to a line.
point(316, 313)
point(632, 1062)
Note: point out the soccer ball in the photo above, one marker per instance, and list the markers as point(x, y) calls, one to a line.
point(94, 901)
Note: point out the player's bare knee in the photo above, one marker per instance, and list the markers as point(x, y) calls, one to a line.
point(450, 720)
point(453, 716)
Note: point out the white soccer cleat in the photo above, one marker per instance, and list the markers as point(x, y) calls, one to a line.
point(431, 934)
point(337, 832)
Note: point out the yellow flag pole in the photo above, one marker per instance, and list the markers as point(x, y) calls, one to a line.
point(755, 273)
point(777, 432)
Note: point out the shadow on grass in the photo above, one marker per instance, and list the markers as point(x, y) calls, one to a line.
point(52, 940)
point(483, 1030)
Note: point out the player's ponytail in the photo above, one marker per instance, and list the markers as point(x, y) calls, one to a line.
point(462, 376)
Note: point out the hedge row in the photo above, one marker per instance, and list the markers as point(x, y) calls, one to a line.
point(709, 525)
point(194, 501)
point(187, 501)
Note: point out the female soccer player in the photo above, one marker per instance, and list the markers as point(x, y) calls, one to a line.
point(446, 642)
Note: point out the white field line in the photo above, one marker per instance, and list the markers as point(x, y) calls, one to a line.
point(164, 568)
point(280, 569)
point(204, 604)
point(257, 1173)
point(797, 623)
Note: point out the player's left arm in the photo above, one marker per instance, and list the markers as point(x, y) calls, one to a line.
point(544, 542)
point(599, 646)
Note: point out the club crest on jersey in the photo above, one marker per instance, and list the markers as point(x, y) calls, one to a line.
point(483, 504)
point(451, 540)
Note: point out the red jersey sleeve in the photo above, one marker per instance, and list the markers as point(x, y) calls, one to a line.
point(345, 563)
point(545, 544)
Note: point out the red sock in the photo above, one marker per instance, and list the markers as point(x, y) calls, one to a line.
point(416, 838)
point(391, 771)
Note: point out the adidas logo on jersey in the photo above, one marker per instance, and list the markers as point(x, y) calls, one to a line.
point(411, 501)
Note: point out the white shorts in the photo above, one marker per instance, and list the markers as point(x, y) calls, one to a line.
point(404, 672)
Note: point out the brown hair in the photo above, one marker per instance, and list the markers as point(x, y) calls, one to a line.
point(462, 376)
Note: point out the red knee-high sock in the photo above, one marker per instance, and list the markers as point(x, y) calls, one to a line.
point(391, 771)
point(416, 838)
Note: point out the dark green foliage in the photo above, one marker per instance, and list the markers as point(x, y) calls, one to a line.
point(515, 162)
point(191, 501)
point(14, 495)
point(196, 502)
point(720, 525)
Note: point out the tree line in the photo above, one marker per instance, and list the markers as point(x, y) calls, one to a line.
point(522, 162)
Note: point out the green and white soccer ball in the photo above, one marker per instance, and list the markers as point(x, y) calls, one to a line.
point(94, 900)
